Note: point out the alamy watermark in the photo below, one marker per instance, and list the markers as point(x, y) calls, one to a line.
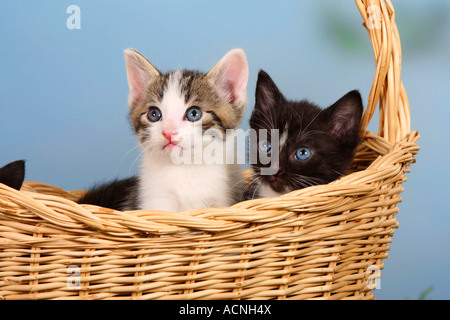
point(374, 277)
point(215, 147)
point(74, 281)
point(73, 22)
point(373, 281)
point(374, 19)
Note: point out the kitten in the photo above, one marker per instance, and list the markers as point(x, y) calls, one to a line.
point(178, 117)
point(13, 174)
point(316, 145)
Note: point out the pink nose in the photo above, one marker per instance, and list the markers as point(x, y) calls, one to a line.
point(169, 130)
point(167, 134)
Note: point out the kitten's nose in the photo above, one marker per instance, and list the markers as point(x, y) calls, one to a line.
point(167, 134)
point(169, 131)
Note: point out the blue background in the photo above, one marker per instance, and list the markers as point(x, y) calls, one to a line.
point(63, 93)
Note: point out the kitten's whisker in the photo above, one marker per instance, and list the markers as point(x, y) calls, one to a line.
point(268, 121)
point(258, 182)
point(317, 115)
point(305, 181)
point(300, 135)
point(340, 174)
point(255, 180)
point(121, 159)
point(146, 146)
point(244, 188)
point(134, 162)
point(296, 111)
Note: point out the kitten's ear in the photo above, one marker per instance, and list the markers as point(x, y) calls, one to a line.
point(13, 174)
point(346, 116)
point(230, 76)
point(139, 74)
point(267, 93)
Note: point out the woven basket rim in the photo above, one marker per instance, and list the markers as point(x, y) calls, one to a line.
point(213, 220)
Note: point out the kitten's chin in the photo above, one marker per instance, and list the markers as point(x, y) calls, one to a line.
point(277, 184)
point(173, 153)
point(266, 191)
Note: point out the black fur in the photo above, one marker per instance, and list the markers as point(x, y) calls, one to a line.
point(13, 174)
point(332, 135)
point(118, 195)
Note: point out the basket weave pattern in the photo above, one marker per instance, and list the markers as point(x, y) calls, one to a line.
point(322, 242)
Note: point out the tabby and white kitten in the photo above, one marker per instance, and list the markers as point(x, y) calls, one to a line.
point(175, 115)
point(316, 146)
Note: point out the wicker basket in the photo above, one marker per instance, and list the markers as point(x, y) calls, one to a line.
point(324, 242)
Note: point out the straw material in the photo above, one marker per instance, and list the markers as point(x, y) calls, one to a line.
point(322, 242)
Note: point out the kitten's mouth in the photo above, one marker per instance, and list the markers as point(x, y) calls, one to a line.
point(170, 146)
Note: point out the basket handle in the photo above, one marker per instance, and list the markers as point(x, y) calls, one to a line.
point(387, 89)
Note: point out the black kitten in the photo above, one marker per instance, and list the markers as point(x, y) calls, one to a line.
point(117, 195)
point(313, 145)
point(13, 174)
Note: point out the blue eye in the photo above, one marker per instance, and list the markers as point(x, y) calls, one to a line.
point(193, 114)
point(154, 114)
point(303, 154)
point(265, 146)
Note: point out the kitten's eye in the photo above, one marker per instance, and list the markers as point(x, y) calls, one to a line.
point(265, 146)
point(193, 114)
point(154, 114)
point(303, 154)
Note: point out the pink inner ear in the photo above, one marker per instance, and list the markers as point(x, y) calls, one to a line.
point(235, 76)
point(136, 81)
point(235, 81)
point(339, 131)
point(228, 86)
point(342, 126)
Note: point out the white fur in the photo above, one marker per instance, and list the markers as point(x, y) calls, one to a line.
point(284, 136)
point(266, 191)
point(170, 187)
point(172, 104)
